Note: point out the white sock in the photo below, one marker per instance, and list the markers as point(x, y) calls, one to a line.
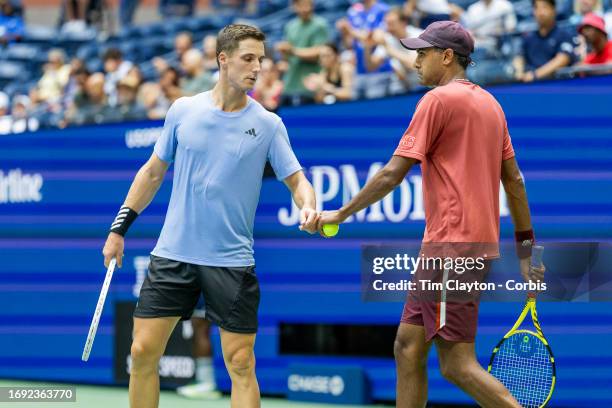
point(205, 372)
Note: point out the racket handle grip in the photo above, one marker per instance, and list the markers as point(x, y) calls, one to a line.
point(537, 253)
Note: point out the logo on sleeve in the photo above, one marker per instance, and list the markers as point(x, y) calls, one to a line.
point(251, 132)
point(408, 142)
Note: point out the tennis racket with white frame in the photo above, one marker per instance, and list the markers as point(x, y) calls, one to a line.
point(93, 327)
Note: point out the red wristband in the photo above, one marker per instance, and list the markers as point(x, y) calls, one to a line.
point(524, 242)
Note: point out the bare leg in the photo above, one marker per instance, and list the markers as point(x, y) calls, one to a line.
point(411, 352)
point(459, 365)
point(240, 362)
point(148, 345)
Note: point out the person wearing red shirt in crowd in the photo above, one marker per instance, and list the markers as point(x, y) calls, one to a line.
point(593, 29)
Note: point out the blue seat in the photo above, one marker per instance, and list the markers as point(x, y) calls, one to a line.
point(94, 65)
point(22, 52)
point(87, 51)
point(11, 71)
point(150, 30)
point(129, 33)
point(39, 35)
point(132, 51)
point(175, 26)
point(199, 24)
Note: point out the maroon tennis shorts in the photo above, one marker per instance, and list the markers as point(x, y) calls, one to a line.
point(452, 315)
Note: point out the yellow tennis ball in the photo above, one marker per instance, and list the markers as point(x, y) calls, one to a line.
point(330, 230)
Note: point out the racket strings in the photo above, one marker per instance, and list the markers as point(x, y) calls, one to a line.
point(523, 364)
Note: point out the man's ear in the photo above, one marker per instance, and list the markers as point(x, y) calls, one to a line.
point(449, 56)
point(222, 58)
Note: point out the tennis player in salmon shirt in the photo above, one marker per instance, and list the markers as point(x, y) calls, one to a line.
point(459, 136)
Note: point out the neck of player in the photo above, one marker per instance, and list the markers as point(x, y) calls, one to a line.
point(451, 75)
point(228, 98)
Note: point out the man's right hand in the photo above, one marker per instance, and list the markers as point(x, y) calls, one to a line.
point(531, 273)
point(113, 248)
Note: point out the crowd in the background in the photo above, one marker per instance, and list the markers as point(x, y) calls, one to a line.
point(316, 61)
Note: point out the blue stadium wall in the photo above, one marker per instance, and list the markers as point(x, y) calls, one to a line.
point(59, 191)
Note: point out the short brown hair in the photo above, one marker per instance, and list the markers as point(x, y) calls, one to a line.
point(231, 35)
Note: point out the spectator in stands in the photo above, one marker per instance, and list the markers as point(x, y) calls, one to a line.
point(487, 20)
point(55, 77)
point(593, 29)
point(584, 7)
point(157, 98)
point(11, 23)
point(209, 46)
point(5, 118)
point(76, 85)
point(20, 118)
point(128, 107)
point(335, 81)
point(116, 69)
point(304, 36)
point(196, 79)
point(356, 31)
point(427, 11)
point(269, 88)
point(182, 43)
point(608, 20)
point(134, 75)
point(547, 49)
point(91, 106)
point(388, 47)
point(4, 104)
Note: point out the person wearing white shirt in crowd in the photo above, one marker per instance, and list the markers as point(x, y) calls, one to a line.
point(18, 121)
point(388, 46)
point(116, 69)
point(487, 20)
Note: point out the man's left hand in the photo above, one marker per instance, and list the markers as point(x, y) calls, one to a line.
point(309, 220)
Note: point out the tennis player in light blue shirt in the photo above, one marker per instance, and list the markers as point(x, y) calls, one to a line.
point(219, 159)
point(219, 142)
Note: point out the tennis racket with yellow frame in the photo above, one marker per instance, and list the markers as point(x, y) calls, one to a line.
point(523, 360)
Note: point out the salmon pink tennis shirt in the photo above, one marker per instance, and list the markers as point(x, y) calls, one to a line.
point(460, 136)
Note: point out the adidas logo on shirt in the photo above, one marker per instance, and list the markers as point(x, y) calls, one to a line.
point(251, 132)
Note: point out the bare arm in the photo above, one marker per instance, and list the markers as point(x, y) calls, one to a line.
point(146, 183)
point(345, 91)
point(519, 66)
point(377, 188)
point(310, 54)
point(407, 59)
point(559, 61)
point(372, 61)
point(517, 195)
point(141, 193)
point(304, 197)
point(519, 210)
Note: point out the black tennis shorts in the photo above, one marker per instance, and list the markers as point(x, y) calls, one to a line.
point(172, 288)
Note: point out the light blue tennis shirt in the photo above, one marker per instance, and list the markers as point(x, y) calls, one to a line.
point(219, 159)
